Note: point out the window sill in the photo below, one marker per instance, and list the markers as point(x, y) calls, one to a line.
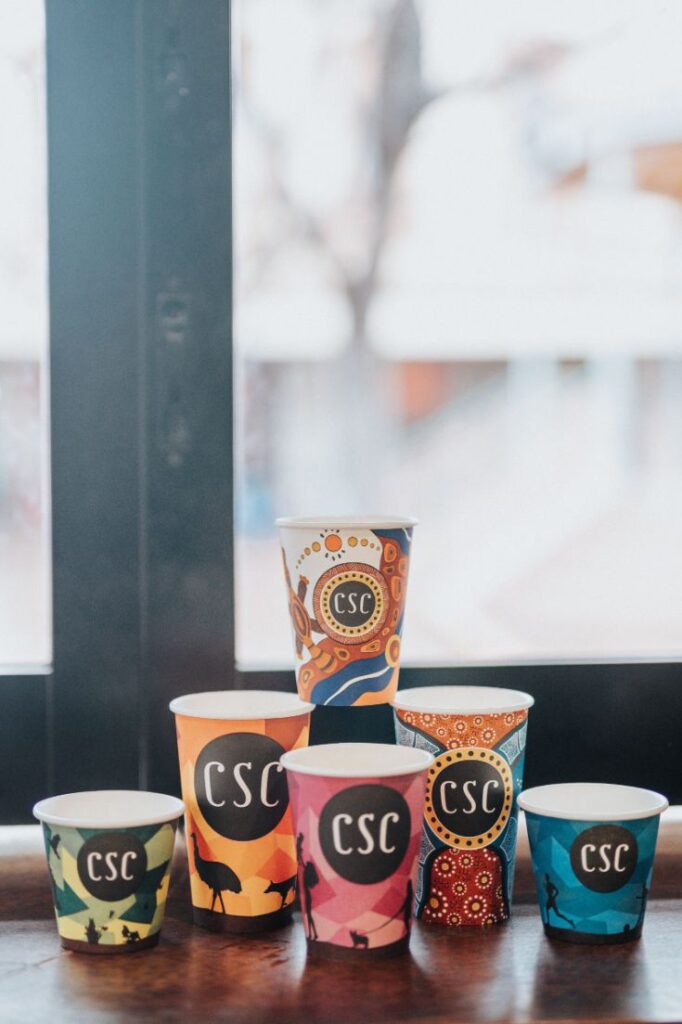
point(511, 972)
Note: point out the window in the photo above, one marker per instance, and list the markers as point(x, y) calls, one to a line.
point(459, 296)
point(25, 625)
point(143, 389)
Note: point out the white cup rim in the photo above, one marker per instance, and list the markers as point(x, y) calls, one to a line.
point(462, 700)
point(592, 801)
point(109, 809)
point(240, 705)
point(368, 522)
point(357, 760)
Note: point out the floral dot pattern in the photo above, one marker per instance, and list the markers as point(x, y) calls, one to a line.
point(466, 889)
point(437, 907)
point(468, 730)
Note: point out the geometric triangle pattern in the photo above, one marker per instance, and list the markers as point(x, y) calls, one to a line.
point(259, 874)
point(339, 911)
point(566, 904)
point(80, 915)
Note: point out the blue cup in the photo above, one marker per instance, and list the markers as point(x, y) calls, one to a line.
point(592, 847)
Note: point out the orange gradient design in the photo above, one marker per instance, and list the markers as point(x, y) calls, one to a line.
point(258, 863)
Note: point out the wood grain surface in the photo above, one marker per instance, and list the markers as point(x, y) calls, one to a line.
point(506, 973)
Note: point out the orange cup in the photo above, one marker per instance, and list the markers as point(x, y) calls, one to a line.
point(240, 842)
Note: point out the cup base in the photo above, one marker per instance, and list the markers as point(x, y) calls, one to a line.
point(104, 949)
point(238, 925)
point(330, 951)
point(591, 938)
point(469, 926)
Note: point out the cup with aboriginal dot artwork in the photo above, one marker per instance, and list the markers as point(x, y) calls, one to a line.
point(477, 735)
point(346, 581)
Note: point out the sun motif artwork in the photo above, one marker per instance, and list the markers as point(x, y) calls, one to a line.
point(346, 590)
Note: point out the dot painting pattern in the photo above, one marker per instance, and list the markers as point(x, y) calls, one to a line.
point(331, 544)
point(346, 589)
point(467, 866)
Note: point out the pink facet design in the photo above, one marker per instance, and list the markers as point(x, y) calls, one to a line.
point(344, 913)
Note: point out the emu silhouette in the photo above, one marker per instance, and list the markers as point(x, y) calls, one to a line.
point(218, 877)
point(55, 840)
point(283, 888)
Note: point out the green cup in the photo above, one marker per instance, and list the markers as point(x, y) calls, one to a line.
point(109, 855)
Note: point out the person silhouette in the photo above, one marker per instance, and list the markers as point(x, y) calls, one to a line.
point(642, 898)
point(309, 879)
point(406, 908)
point(550, 902)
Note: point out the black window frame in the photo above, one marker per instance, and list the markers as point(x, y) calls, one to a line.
point(139, 143)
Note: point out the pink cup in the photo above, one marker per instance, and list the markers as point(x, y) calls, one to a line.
point(357, 810)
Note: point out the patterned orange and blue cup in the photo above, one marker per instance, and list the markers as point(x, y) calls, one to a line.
point(477, 735)
point(346, 579)
point(592, 847)
point(240, 842)
point(357, 810)
point(109, 857)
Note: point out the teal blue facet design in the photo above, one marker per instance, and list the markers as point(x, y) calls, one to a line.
point(587, 912)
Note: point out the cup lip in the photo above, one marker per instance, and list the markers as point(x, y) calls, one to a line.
point(403, 760)
point(368, 522)
point(462, 700)
point(262, 705)
point(569, 796)
point(48, 810)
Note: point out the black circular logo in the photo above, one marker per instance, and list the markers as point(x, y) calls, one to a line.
point(352, 602)
point(111, 865)
point(469, 797)
point(604, 857)
point(364, 832)
point(240, 785)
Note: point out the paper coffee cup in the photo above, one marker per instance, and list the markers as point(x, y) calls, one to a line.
point(346, 580)
point(357, 810)
point(109, 856)
point(592, 846)
point(240, 844)
point(477, 735)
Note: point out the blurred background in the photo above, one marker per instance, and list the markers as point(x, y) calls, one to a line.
point(25, 608)
point(458, 295)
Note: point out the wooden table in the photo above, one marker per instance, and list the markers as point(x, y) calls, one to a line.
point(506, 973)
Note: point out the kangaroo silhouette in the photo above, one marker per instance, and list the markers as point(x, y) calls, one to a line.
point(55, 840)
point(128, 935)
point(359, 940)
point(283, 888)
point(92, 933)
point(218, 877)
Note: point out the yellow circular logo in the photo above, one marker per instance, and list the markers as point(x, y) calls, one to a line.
point(469, 796)
point(351, 602)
